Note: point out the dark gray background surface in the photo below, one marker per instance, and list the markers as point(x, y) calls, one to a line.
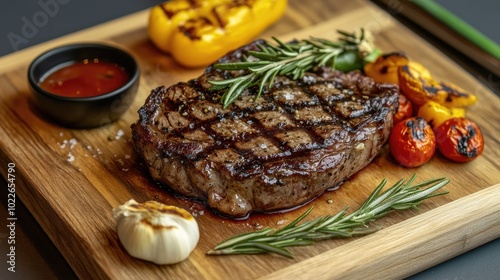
point(71, 15)
point(36, 21)
point(67, 16)
point(480, 14)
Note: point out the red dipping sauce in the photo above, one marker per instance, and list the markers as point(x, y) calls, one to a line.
point(85, 79)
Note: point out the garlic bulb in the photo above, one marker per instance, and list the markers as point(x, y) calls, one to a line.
point(156, 232)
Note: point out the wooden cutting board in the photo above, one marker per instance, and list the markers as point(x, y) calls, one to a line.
point(70, 180)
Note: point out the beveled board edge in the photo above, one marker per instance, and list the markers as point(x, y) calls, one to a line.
point(474, 232)
point(428, 239)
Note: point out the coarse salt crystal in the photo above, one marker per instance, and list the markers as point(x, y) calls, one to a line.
point(359, 147)
point(119, 134)
point(63, 145)
point(309, 79)
point(289, 96)
point(72, 143)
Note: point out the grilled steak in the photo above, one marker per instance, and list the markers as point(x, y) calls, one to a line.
point(297, 140)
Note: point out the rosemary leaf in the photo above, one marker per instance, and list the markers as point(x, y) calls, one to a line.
point(292, 59)
point(237, 251)
point(295, 222)
point(237, 87)
point(243, 237)
point(401, 196)
point(330, 220)
point(373, 195)
point(238, 65)
point(268, 76)
point(424, 193)
point(270, 248)
point(229, 81)
point(284, 47)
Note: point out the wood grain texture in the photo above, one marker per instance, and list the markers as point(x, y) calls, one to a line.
point(416, 241)
point(72, 200)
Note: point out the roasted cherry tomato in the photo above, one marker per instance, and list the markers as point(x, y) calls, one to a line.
point(459, 139)
point(405, 109)
point(412, 142)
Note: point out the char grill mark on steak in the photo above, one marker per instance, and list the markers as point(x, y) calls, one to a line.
point(296, 140)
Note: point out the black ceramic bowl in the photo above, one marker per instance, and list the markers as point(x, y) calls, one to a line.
point(83, 112)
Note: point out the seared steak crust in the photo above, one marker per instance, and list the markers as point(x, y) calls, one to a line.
point(290, 145)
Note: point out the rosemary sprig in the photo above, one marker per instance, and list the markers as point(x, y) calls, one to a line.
point(400, 196)
point(293, 60)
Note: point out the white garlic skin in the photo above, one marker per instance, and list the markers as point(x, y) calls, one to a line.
point(156, 232)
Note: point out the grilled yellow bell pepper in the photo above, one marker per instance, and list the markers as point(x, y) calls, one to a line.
point(198, 32)
point(435, 114)
point(417, 84)
point(385, 68)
